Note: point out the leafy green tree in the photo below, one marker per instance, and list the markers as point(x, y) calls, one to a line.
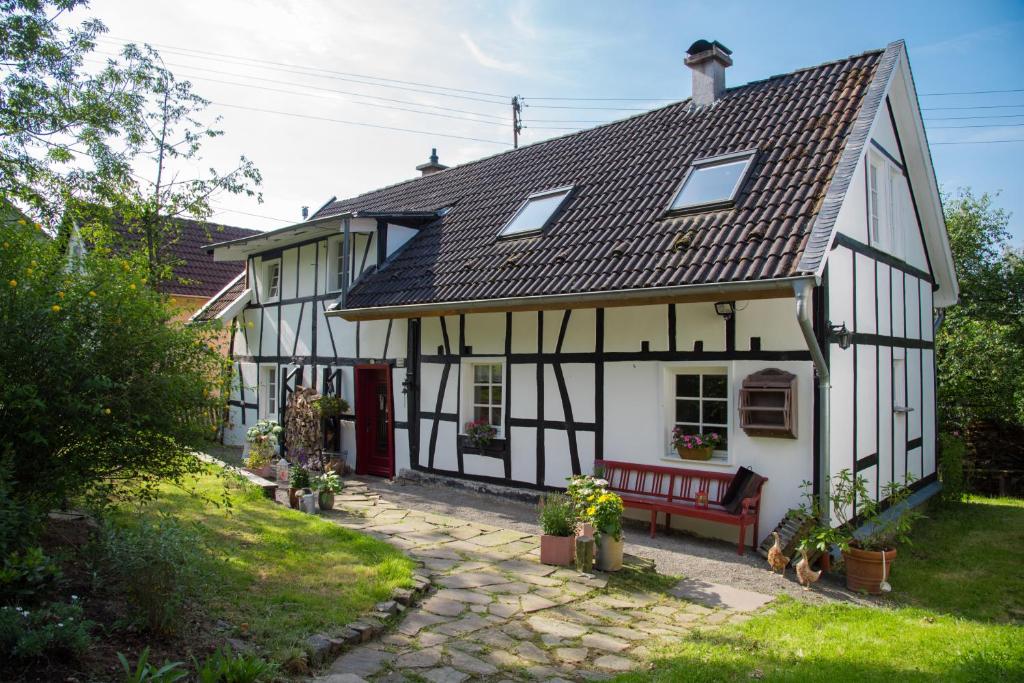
point(980, 345)
point(99, 388)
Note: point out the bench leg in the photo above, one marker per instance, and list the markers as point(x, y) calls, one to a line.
point(668, 522)
point(654, 522)
point(743, 539)
point(757, 536)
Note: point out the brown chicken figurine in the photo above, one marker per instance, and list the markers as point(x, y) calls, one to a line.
point(804, 574)
point(776, 560)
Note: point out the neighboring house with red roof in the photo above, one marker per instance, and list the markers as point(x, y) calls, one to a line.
point(761, 261)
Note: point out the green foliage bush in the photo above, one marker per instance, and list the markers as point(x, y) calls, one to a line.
point(225, 666)
point(101, 393)
point(145, 672)
point(952, 453)
point(51, 630)
point(25, 576)
point(159, 566)
point(557, 515)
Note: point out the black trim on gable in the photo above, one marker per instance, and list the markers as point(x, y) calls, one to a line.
point(910, 188)
point(854, 245)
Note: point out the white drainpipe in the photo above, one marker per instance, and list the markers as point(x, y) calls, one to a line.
point(802, 290)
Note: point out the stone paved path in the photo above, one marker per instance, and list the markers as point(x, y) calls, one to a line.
point(497, 614)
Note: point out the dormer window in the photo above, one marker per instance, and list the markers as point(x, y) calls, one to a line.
point(535, 213)
point(712, 182)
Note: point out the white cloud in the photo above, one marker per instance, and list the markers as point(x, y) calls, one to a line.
point(485, 60)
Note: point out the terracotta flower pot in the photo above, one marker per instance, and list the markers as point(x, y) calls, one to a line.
point(609, 553)
point(326, 500)
point(864, 569)
point(557, 550)
point(695, 453)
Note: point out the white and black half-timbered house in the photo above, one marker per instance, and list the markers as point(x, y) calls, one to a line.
point(588, 293)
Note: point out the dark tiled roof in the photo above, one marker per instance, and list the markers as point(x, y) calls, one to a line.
point(216, 305)
point(198, 274)
point(612, 233)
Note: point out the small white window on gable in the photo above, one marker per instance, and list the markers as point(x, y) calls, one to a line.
point(336, 265)
point(272, 281)
point(535, 213)
point(883, 205)
point(714, 181)
point(268, 393)
point(486, 400)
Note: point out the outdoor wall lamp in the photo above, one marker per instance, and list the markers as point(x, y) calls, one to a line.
point(726, 309)
point(841, 335)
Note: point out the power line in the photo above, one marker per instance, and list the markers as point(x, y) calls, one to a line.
point(314, 87)
point(185, 50)
point(978, 142)
point(359, 123)
point(981, 125)
point(989, 116)
point(975, 106)
point(604, 99)
point(223, 209)
point(969, 92)
point(553, 106)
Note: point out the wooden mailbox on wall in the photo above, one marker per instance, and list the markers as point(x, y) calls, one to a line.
point(768, 404)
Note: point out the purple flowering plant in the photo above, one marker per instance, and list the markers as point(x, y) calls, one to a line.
point(680, 439)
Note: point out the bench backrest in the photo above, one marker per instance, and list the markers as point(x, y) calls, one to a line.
point(670, 483)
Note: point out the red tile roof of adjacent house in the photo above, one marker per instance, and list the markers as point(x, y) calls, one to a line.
point(613, 232)
point(197, 274)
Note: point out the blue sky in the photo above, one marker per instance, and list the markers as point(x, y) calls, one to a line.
point(545, 49)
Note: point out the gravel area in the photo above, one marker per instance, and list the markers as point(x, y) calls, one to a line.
point(674, 553)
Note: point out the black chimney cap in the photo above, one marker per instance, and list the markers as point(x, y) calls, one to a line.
point(704, 45)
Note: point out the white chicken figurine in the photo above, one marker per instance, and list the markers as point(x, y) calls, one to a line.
point(804, 574)
point(776, 560)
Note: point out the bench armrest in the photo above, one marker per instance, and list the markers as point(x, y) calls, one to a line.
point(750, 505)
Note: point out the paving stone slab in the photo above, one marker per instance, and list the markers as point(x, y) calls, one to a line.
point(515, 587)
point(604, 642)
point(463, 533)
point(470, 664)
point(413, 623)
point(720, 596)
point(445, 675)
point(534, 603)
point(497, 538)
point(572, 655)
point(362, 661)
point(472, 580)
point(463, 595)
point(467, 624)
point(531, 652)
point(562, 629)
point(419, 659)
point(446, 608)
point(614, 663)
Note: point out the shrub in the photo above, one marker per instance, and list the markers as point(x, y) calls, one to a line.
point(557, 516)
point(144, 672)
point(158, 565)
point(952, 453)
point(102, 392)
point(25, 576)
point(51, 630)
point(299, 478)
point(224, 666)
point(328, 481)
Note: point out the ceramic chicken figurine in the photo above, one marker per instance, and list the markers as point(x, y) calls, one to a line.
point(776, 560)
point(804, 574)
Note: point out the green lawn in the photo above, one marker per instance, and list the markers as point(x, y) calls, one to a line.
point(967, 559)
point(960, 587)
point(285, 573)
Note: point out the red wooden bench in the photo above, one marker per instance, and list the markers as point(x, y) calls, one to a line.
point(674, 491)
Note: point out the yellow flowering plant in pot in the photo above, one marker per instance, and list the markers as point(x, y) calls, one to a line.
point(603, 509)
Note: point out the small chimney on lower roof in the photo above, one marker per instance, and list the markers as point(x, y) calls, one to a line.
point(708, 61)
point(432, 166)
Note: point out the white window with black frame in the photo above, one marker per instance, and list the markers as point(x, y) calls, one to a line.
point(700, 413)
point(483, 401)
point(268, 393)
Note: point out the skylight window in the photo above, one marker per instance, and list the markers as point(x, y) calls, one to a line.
point(535, 213)
point(713, 181)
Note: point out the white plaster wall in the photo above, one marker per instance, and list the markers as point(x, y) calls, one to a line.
point(524, 332)
point(523, 454)
point(864, 295)
point(773, 320)
point(626, 328)
point(485, 332)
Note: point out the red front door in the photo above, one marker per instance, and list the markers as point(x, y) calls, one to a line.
point(375, 436)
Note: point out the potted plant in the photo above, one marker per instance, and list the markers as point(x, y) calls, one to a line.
point(261, 440)
point(327, 484)
point(558, 526)
point(299, 483)
point(480, 433)
point(606, 513)
point(695, 446)
point(869, 549)
point(330, 406)
point(581, 490)
point(595, 504)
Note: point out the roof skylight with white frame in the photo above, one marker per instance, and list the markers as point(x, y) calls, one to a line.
point(535, 213)
point(713, 181)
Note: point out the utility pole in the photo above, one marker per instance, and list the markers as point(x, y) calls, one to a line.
point(517, 120)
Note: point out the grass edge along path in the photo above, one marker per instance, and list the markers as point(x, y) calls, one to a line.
point(276, 575)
